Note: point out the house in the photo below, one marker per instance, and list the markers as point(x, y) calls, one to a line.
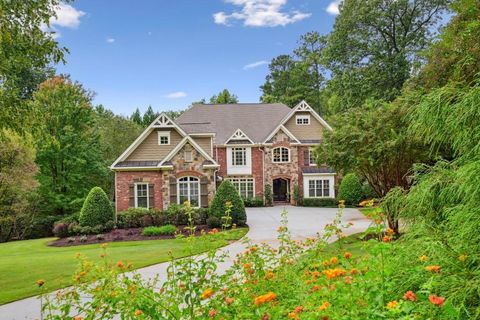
point(251, 145)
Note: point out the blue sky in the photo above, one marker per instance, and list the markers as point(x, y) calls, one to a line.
point(170, 53)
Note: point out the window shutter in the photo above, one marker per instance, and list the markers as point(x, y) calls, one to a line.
point(204, 191)
point(151, 196)
point(131, 195)
point(306, 157)
point(173, 190)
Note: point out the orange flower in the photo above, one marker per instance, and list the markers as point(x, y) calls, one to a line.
point(423, 258)
point(78, 318)
point(120, 264)
point(138, 312)
point(435, 269)
point(333, 260)
point(353, 271)
point(270, 296)
point(253, 249)
point(348, 255)
point(293, 315)
point(315, 274)
point(348, 280)
point(213, 231)
point(212, 313)
point(229, 301)
point(410, 295)
point(316, 288)
point(392, 304)
point(334, 273)
point(269, 275)
point(207, 293)
point(40, 282)
point(436, 300)
point(298, 309)
point(324, 306)
point(386, 239)
point(390, 231)
point(247, 266)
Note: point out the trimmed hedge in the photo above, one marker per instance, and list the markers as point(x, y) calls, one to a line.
point(350, 190)
point(227, 192)
point(159, 231)
point(320, 202)
point(253, 202)
point(97, 209)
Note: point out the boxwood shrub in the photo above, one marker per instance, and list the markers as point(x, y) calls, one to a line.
point(227, 192)
point(168, 229)
point(320, 202)
point(97, 209)
point(350, 190)
point(253, 202)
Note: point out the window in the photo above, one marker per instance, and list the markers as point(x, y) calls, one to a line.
point(188, 156)
point(163, 137)
point(244, 186)
point(312, 159)
point(318, 188)
point(239, 156)
point(281, 154)
point(303, 120)
point(141, 195)
point(189, 190)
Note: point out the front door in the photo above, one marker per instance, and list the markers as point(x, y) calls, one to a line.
point(280, 189)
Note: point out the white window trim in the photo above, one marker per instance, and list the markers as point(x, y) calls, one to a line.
point(239, 170)
point(331, 182)
point(302, 117)
point(232, 159)
point(136, 194)
point(310, 150)
point(164, 134)
point(289, 155)
point(248, 178)
point(199, 191)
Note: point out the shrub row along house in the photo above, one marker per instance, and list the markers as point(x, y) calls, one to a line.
point(252, 145)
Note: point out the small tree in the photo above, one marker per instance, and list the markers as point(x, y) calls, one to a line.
point(350, 189)
point(227, 193)
point(268, 195)
point(296, 195)
point(392, 205)
point(96, 209)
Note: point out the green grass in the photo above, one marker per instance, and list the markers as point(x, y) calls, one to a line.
point(22, 263)
point(368, 210)
point(352, 243)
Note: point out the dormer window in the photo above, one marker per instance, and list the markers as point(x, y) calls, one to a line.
point(163, 137)
point(303, 120)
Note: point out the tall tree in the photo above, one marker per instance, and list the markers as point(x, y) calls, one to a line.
point(224, 97)
point(68, 147)
point(375, 45)
point(136, 117)
point(26, 53)
point(149, 116)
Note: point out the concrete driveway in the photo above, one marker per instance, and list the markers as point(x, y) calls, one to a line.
point(263, 222)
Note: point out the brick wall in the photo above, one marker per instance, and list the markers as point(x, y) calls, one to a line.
point(221, 158)
point(125, 179)
point(301, 164)
point(257, 170)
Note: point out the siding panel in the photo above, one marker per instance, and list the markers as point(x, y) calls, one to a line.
point(149, 149)
point(205, 143)
point(305, 132)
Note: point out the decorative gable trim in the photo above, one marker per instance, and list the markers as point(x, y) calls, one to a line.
point(239, 135)
point(162, 121)
point(185, 140)
point(281, 127)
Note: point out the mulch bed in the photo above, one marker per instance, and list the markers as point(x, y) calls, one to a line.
point(116, 235)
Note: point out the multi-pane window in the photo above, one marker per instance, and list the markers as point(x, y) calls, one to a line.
point(303, 120)
point(163, 137)
point(244, 186)
point(312, 159)
point(318, 188)
point(239, 156)
point(281, 154)
point(141, 195)
point(189, 190)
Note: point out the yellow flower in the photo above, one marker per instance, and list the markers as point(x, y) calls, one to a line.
point(392, 304)
point(207, 293)
point(462, 257)
point(423, 258)
point(40, 282)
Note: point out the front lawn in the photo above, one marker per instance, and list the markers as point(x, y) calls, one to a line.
point(22, 263)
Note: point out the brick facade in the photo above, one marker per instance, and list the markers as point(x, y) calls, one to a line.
point(124, 179)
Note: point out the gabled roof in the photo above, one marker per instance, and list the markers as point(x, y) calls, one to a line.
point(285, 130)
point(179, 146)
point(256, 120)
point(239, 137)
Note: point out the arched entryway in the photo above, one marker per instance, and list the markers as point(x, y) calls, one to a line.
point(281, 189)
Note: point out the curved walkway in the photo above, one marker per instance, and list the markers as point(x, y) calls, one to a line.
point(302, 222)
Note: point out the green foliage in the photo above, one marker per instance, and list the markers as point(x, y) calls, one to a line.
point(320, 202)
point(350, 189)
point(374, 142)
point(392, 205)
point(152, 231)
point(253, 202)
point(296, 195)
point(96, 209)
point(135, 218)
point(67, 145)
point(224, 97)
point(227, 192)
point(214, 222)
point(374, 46)
point(268, 195)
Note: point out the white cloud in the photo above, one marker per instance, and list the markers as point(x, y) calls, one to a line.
point(176, 95)
point(67, 16)
point(333, 7)
point(110, 40)
point(260, 13)
point(255, 64)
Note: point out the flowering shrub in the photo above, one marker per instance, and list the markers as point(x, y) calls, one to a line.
point(308, 279)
